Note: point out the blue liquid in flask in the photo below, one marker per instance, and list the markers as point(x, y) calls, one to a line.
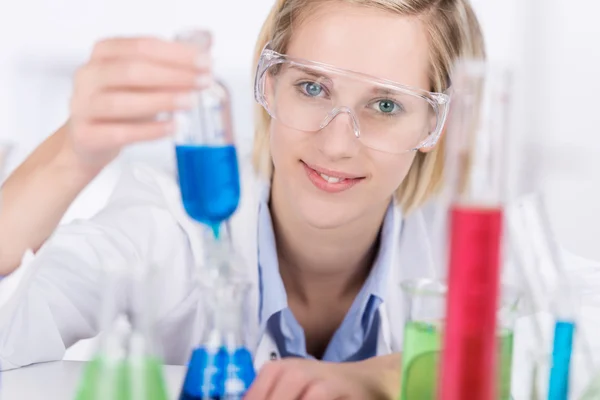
point(219, 376)
point(210, 183)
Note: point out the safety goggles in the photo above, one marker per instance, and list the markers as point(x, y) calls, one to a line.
point(386, 116)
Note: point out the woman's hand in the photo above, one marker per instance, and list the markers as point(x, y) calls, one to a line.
point(116, 99)
point(127, 83)
point(299, 379)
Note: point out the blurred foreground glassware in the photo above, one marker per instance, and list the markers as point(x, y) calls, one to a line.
point(126, 365)
point(425, 310)
point(475, 191)
point(550, 288)
point(221, 364)
point(207, 161)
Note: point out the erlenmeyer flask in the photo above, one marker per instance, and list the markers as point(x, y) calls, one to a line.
point(221, 365)
point(105, 376)
point(205, 149)
point(239, 369)
point(145, 371)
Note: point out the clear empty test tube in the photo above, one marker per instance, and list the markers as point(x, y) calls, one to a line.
point(205, 149)
point(475, 187)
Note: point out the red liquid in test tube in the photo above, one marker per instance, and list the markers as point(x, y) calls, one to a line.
point(470, 335)
point(474, 193)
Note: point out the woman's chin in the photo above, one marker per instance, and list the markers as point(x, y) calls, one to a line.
point(326, 216)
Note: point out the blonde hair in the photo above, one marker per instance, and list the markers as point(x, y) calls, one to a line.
point(454, 33)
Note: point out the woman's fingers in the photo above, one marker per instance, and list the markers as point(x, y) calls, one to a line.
point(106, 137)
point(138, 74)
point(129, 82)
point(128, 105)
point(151, 50)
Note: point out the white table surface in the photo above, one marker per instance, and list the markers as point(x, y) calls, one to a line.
point(59, 380)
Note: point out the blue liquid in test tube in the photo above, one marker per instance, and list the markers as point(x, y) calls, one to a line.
point(561, 360)
point(220, 366)
point(205, 149)
point(209, 181)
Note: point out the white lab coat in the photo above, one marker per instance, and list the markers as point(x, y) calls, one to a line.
point(52, 300)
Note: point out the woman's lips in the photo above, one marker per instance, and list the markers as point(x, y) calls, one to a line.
point(330, 181)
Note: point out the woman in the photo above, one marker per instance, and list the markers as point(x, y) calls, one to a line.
point(337, 224)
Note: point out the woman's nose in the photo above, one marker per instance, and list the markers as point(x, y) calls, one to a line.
point(339, 134)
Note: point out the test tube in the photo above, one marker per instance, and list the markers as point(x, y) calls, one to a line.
point(205, 149)
point(550, 287)
point(475, 190)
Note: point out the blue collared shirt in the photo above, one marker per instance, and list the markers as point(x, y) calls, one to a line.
point(356, 337)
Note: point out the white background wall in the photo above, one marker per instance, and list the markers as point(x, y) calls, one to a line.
point(551, 44)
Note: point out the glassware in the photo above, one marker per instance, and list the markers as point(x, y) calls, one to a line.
point(584, 383)
point(550, 288)
point(425, 309)
point(145, 372)
point(205, 149)
point(221, 365)
point(127, 365)
point(474, 190)
point(105, 376)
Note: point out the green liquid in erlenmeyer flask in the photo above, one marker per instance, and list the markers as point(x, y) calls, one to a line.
point(140, 379)
point(103, 377)
point(146, 380)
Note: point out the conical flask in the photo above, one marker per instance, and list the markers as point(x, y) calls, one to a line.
point(146, 379)
point(105, 376)
point(126, 365)
point(221, 364)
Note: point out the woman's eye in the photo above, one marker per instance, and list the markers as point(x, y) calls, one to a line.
point(312, 89)
point(387, 106)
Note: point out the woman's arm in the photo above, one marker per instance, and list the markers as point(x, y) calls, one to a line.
point(36, 196)
point(116, 99)
point(58, 295)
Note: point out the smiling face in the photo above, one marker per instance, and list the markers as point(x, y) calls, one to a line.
point(329, 177)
